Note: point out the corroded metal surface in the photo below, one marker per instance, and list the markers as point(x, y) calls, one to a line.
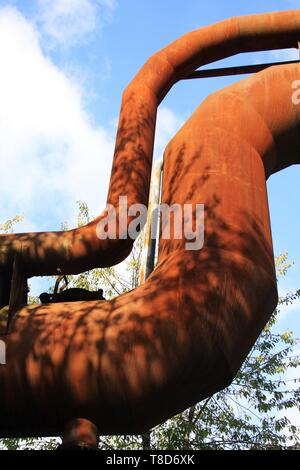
point(151, 227)
point(239, 70)
point(129, 363)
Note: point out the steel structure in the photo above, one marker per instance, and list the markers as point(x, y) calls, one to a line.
point(128, 363)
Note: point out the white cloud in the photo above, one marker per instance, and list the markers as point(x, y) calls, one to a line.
point(67, 22)
point(50, 153)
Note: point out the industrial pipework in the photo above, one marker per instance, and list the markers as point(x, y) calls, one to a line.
point(129, 363)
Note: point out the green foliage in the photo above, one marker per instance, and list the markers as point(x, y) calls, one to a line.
point(283, 263)
point(8, 226)
point(249, 414)
point(30, 443)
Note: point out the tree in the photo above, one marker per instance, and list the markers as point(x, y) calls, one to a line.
point(249, 414)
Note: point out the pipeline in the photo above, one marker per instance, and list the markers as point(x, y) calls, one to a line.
point(151, 228)
point(131, 362)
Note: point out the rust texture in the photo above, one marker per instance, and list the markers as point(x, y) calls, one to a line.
point(80, 434)
point(131, 362)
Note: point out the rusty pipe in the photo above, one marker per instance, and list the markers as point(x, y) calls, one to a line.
point(80, 249)
point(128, 363)
point(151, 228)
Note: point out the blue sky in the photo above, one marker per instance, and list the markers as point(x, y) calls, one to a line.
point(64, 65)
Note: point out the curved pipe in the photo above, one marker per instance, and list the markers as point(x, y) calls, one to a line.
point(77, 250)
point(128, 363)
